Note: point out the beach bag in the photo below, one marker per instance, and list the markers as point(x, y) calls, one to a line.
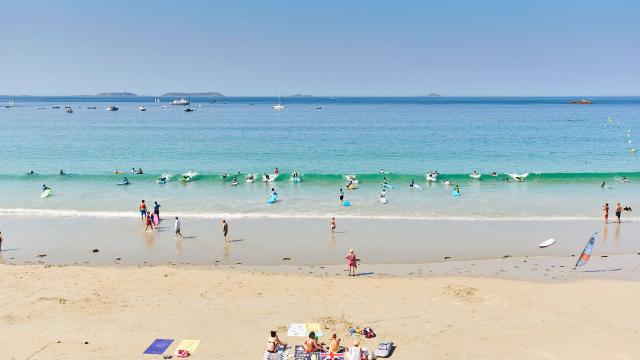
point(384, 349)
point(368, 333)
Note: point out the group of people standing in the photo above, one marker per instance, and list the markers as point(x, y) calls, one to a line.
point(619, 210)
point(150, 219)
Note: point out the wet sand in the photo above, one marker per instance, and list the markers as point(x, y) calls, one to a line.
point(304, 242)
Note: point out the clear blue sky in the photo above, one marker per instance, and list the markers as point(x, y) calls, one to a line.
point(327, 47)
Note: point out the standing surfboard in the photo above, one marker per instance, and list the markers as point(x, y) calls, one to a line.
point(586, 253)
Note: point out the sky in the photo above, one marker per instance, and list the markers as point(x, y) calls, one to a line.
point(322, 48)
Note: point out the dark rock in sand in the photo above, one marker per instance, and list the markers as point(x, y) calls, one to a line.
point(95, 250)
point(286, 259)
point(42, 255)
point(447, 257)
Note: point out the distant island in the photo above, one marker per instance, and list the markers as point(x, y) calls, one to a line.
point(301, 95)
point(182, 94)
point(433, 94)
point(124, 93)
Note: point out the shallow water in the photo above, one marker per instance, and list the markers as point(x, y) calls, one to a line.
point(568, 149)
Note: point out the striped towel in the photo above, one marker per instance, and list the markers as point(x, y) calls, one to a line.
point(282, 354)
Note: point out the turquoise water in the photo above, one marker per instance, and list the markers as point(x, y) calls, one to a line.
point(567, 149)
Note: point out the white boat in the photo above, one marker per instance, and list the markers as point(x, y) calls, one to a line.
point(111, 108)
point(142, 108)
point(163, 106)
point(279, 106)
point(181, 101)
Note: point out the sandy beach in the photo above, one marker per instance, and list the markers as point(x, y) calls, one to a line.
point(74, 312)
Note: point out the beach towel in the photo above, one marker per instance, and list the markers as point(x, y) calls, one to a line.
point(315, 327)
point(281, 354)
point(186, 348)
point(297, 329)
point(158, 346)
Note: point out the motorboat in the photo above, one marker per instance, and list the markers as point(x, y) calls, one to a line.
point(182, 101)
point(142, 108)
point(111, 108)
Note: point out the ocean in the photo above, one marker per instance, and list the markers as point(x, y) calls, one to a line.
point(568, 150)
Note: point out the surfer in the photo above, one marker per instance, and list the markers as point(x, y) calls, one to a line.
point(225, 231)
point(412, 183)
point(125, 181)
point(235, 181)
point(143, 209)
point(381, 171)
point(156, 209)
point(45, 187)
point(140, 171)
point(605, 212)
point(266, 177)
point(62, 172)
point(176, 228)
point(31, 173)
point(332, 225)
point(618, 212)
point(383, 194)
point(603, 185)
point(163, 178)
point(273, 192)
point(494, 174)
point(250, 177)
point(276, 171)
point(341, 195)
point(457, 189)
point(385, 181)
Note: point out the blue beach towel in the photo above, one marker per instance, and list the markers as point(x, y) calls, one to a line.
point(158, 346)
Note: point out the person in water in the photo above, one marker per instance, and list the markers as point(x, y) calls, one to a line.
point(45, 187)
point(605, 212)
point(457, 189)
point(125, 180)
point(143, 210)
point(412, 183)
point(332, 225)
point(273, 343)
point(385, 181)
point(383, 193)
point(341, 195)
point(31, 173)
point(156, 209)
point(225, 231)
point(140, 171)
point(276, 171)
point(62, 172)
point(266, 176)
point(618, 212)
point(273, 192)
point(176, 228)
point(602, 186)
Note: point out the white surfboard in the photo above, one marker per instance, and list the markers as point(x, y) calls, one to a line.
point(546, 243)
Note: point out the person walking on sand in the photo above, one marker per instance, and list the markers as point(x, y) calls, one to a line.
point(176, 228)
point(618, 211)
point(352, 262)
point(143, 210)
point(225, 231)
point(0, 240)
point(605, 212)
point(148, 223)
point(333, 225)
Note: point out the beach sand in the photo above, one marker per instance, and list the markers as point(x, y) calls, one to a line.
point(49, 312)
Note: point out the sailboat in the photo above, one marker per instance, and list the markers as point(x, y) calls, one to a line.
point(278, 106)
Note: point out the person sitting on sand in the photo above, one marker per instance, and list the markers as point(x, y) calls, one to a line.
point(334, 345)
point(311, 344)
point(352, 262)
point(273, 343)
